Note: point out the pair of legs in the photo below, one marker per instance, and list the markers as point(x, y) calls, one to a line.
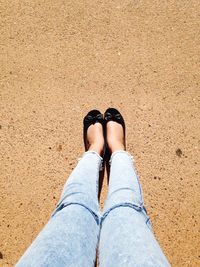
point(122, 232)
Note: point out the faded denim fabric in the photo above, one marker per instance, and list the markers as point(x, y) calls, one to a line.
point(123, 230)
point(126, 238)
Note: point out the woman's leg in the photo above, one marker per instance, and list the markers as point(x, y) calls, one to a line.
point(126, 238)
point(70, 237)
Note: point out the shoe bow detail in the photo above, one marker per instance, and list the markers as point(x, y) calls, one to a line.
point(113, 117)
point(93, 119)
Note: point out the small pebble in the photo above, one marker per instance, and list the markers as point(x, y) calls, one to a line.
point(179, 152)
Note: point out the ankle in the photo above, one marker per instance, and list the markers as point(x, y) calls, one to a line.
point(95, 138)
point(97, 148)
point(116, 146)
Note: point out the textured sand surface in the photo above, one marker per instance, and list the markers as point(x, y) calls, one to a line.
point(59, 59)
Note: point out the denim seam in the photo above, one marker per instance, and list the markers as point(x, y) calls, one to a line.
point(64, 205)
point(126, 204)
point(140, 188)
point(64, 198)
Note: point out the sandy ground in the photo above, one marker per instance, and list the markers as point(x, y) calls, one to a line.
point(59, 59)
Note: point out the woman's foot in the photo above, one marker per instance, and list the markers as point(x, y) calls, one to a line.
point(115, 136)
point(95, 138)
point(93, 135)
point(115, 130)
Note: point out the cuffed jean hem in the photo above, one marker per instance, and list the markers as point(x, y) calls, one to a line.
point(121, 152)
point(134, 206)
point(64, 205)
point(100, 218)
point(80, 198)
point(95, 153)
point(91, 152)
point(76, 191)
point(128, 194)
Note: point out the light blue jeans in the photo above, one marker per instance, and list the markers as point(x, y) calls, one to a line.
point(122, 233)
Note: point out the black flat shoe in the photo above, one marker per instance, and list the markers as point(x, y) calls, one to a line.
point(92, 117)
point(112, 114)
